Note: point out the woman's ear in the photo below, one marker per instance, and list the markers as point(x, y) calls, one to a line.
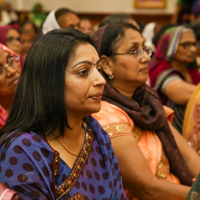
point(106, 65)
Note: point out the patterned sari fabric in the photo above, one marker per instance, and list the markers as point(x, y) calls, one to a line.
point(117, 123)
point(161, 74)
point(30, 167)
point(191, 123)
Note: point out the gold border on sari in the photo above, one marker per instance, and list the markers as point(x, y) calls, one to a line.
point(71, 180)
point(122, 129)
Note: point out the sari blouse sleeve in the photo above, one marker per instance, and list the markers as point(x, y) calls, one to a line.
point(114, 120)
point(117, 123)
point(169, 113)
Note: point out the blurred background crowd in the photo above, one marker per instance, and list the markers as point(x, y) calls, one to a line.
point(21, 27)
point(171, 42)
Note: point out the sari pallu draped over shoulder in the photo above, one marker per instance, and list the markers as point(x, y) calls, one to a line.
point(162, 74)
point(146, 110)
point(39, 173)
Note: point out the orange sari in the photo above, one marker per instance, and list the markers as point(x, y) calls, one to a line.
point(117, 123)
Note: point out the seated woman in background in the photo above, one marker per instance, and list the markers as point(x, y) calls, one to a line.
point(30, 29)
point(155, 160)
point(10, 37)
point(173, 70)
point(50, 147)
point(26, 43)
point(9, 77)
point(85, 25)
point(38, 15)
point(61, 18)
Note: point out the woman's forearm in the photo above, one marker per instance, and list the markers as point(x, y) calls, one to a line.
point(138, 177)
point(162, 189)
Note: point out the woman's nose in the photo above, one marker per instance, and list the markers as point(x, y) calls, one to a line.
point(99, 79)
point(11, 70)
point(145, 57)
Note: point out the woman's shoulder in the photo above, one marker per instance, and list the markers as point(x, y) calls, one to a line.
point(111, 114)
point(27, 143)
point(28, 138)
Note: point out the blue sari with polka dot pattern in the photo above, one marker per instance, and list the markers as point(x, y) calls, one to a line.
point(26, 166)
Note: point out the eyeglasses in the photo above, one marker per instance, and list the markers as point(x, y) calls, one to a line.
point(138, 52)
point(187, 45)
point(11, 62)
point(11, 39)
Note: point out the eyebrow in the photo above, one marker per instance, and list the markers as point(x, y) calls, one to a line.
point(85, 62)
point(136, 43)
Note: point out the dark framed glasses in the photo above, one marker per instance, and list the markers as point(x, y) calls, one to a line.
point(11, 39)
point(138, 52)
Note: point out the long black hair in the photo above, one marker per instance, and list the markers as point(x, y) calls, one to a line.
point(39, 104)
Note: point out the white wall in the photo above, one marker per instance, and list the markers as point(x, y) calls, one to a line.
point(92, 6)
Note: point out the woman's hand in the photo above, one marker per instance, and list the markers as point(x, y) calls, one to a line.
point(137, 176)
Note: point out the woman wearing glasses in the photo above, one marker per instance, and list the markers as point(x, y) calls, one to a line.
point(173, 70)
point(10, 37)
point(9, 77)
point(155, 161)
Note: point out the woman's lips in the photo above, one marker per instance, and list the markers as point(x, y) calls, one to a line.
point(14, 81)
point(97, 96)
point(144, 69)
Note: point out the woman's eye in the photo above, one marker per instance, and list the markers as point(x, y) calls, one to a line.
point(133, 50)
point(83, 72)
point(99, 69)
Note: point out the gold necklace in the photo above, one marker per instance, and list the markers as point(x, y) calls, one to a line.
point(66, 148)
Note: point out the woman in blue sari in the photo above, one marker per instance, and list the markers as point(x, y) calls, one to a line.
point(50, 147)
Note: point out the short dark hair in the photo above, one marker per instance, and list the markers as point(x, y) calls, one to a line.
point(115, 18)
point(62, 11)
point(39, 103)
point(113, 34)
point(31, 23)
